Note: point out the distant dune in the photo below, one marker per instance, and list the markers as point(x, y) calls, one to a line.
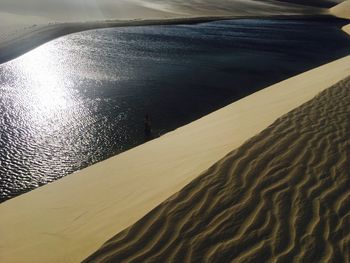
point(342, 10)
point(283, 195)
point(235, 7)
point(347, 29)
point(70, 219)
point(77, 11)
point(25, 25)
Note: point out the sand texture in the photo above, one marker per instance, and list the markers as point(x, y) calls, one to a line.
point(68, 220)
point(283, 196)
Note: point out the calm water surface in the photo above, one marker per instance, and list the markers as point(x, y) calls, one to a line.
point(82, 98)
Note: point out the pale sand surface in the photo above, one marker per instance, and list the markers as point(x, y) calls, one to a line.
point(346, 29)
point(71, 218)
point(25, 25)
point(283, 196)
point(17, 40)
point(342, 10)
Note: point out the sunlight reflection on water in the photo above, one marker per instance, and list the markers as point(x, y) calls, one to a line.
point(43, 75)
point(42, 115)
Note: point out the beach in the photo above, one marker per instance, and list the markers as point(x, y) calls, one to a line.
point(262, 179)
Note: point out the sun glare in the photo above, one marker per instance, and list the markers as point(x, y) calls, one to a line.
point(42, 76)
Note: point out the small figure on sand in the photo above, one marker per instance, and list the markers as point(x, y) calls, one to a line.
point(147, 127)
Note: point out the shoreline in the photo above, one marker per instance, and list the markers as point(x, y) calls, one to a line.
point(87, 208)
point(342, 10)
point(40, 35)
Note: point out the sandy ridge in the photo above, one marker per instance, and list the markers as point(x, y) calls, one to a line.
point(74, 216)
point(283, 195)
point(346, 29)
point(38, 35)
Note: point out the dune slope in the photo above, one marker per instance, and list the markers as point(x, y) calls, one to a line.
point(282, 195)
point(346, 29)
point(68, 220)
point(342, 10)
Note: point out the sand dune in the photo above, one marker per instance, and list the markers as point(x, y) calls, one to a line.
point(24, 14)
point(76, 11)
point(18, 40)
point(68, 220)
point(235, 7)
point(283, 195)
point(342, 10)
point(346, 29)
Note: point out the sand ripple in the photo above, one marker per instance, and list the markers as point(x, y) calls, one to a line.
point(283, 196)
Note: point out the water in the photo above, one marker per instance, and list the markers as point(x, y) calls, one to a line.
point(82, 98)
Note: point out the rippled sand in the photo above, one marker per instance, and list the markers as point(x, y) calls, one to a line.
point(283, 195)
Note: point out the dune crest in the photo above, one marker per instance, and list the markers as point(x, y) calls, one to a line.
point(283, 195)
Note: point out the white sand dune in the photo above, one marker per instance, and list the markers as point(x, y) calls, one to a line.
point(283, 196)
point(70, 219)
